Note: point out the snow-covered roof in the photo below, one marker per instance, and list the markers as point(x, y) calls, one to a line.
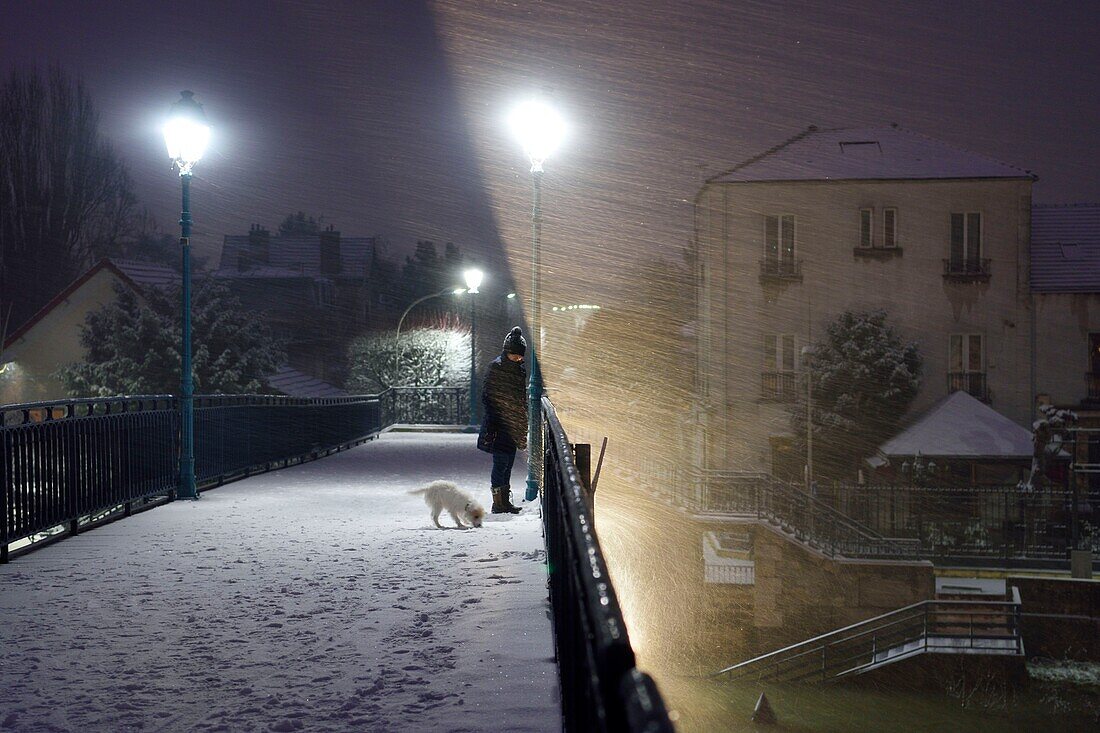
point(147, 274)
point(1065, 248)
point(960, 426)
point(294, 383)
point(297, 254)
point(882, 153)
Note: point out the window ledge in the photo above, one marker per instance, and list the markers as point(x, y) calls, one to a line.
point(877, 253)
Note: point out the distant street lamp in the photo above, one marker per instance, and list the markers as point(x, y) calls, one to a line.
point(540, 130)
point(473, 277)
point(418, 301)
point(186, 135)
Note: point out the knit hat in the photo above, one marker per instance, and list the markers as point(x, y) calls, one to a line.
point(514, 343)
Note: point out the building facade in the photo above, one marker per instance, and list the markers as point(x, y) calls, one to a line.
point(857, 219)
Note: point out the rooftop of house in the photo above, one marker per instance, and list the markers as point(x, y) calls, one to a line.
point(959, 426)
point(1065, 248)
point(291, 256)
point(873, 153)
point(134, 273)
point(290, 381)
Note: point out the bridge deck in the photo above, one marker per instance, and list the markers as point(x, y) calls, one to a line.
point(318, 597)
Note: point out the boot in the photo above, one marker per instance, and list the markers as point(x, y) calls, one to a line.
point(499, 506)
point(506, 500)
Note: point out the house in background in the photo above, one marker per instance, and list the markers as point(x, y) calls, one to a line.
point(313, 291)
point(51, 338)
point(857, 219)
point(1065, 286)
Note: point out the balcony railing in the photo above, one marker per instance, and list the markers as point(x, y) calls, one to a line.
point(972, 383)
point(779, 386)
point(780, 270)
point(966, 270)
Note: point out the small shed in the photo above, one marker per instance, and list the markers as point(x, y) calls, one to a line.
point(958, 440)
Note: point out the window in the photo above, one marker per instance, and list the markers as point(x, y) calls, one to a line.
point(324, 292)
point(966, 364)
point(889, 228)
point(866, 219)
point(779, 366)
point(966, 241)
point(779, 352)
point(1092, 377)
point(779, 241)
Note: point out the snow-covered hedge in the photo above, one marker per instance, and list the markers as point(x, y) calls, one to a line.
point(425, 357)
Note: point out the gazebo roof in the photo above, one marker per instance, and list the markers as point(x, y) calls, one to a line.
point(960, 426)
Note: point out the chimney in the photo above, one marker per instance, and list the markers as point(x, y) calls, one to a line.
point(259, 245)
point(330, 251)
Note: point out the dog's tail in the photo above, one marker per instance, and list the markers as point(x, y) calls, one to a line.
point(416, 492)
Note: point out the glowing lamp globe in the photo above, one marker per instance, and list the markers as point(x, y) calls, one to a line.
point(539, 129)
point(186, 133)
point(473, 278)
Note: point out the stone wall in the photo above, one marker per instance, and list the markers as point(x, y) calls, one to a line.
point(1061, 617)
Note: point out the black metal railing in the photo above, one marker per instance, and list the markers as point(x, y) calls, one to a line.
point(966, 269)
point(973, 383)
point(974, 525)
point(778, 386)
point(796, 513)
point(955, 626)
point(601, 688)
point(426, 405)
point(64, 462)
point(774, 268)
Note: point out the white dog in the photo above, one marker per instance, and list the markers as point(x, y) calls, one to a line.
point(440, 495)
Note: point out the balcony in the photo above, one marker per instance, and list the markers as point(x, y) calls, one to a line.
point(778, 386)
point(973, 383)
point(780, 270)
point(876, 253)
point(966, 271)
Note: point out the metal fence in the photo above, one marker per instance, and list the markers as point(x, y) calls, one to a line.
point(1003, 526)
point(65, 462)
point(601, 688)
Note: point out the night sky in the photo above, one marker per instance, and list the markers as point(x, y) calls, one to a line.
point(388, 117)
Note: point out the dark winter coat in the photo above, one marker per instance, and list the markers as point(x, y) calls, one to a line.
point(504, 400)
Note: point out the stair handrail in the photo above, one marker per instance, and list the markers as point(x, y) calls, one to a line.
point(878, 623)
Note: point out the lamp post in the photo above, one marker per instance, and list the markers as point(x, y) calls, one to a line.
point(418, 301)
point(186, 135)
point(539, 129)
point(807, 352)
point(473, 277)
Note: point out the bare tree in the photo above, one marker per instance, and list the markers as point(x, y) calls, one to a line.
point(65, 198)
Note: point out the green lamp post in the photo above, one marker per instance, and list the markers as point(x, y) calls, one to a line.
point(186, 135)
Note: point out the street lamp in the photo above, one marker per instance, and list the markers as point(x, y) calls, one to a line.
point(418, 301)
point(540, 130)
point(473, 277)
point(186, 135)
point(807, 354)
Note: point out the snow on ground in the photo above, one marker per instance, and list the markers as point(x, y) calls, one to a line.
point(318, 597)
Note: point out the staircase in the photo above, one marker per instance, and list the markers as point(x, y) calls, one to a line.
point(957, 621)
point(798, 516)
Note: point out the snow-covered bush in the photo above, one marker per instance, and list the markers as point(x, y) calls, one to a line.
point(424, 357)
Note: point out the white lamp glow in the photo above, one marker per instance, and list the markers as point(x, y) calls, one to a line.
point(539, 129)
point(186, 133)
point(473, 278)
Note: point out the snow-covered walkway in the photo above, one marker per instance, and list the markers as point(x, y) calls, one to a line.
point(318, 597)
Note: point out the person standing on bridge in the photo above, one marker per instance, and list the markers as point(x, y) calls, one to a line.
point(504, 427)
